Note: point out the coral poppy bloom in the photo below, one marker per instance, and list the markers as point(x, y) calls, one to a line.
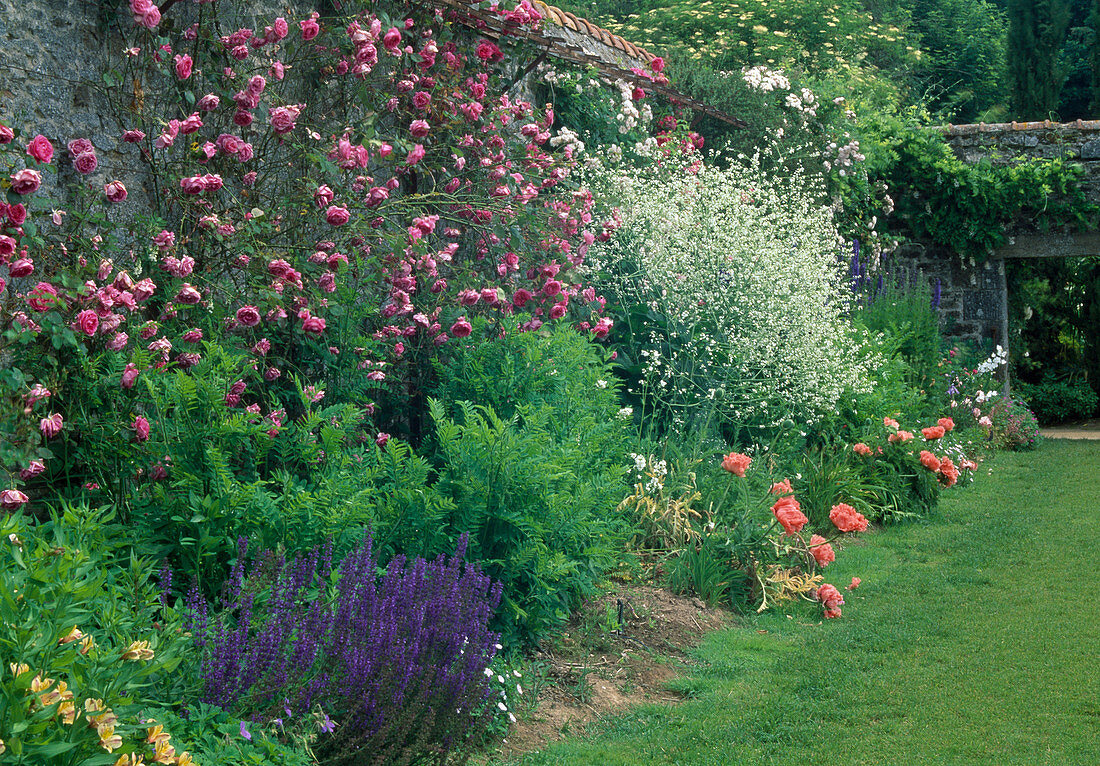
point(854, 584)
point(947, 424)
point(929, 461)
point(736, 463)
point(900, 437)
point(821, 551)
point(934, 432)
point(889, 422)
point(847, 519)
point(786, 510)
point(831, 599)
point(861, 449)
point(782, 488)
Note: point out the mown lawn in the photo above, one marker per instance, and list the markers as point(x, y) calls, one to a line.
point(974, 639)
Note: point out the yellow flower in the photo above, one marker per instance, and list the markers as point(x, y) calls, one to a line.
point(73, 635)
point(108, 740)
point(48, 696)
point(185, 760)
point(158, 734)
point(67, 711)
point(19, 669)
point(138, 650)
point(3, 747)
point(86, 644)
point(164, 752)
point(133, 759)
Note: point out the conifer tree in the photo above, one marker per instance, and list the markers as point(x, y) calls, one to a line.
point(1037, 29)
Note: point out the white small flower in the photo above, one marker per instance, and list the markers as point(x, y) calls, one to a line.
point(502, 706)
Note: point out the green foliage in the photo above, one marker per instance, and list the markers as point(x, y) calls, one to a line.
point(74, 573)
point(1059, 398)
point(964, 208)
point(538, 508)
point(706, 569)
point(213, 737)
point(963, 47)
point(896, 308)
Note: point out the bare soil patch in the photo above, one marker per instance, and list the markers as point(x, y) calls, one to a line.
point(600, 666)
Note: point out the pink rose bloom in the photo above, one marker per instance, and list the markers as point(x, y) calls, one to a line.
point(193, 185)
point(17, 213)
point(25, 181)
point(245, 153)
point(118, 342)
point(488, 52)
point(847, 519)
point(133, 136)
point(336, 215)
point(208, 103)
point(52, 425)
point(249, 316)
point(283, 119)
point(85, 163)
point(141, 429)
point(256, 85)
point(21, 268)
point(6, 135)
point(7, 246)
point(41, 149)
point(312, 325)
point(323, 195)
point(144, 289)
point(87, 322)
point(461, 328)
point(272, 374)
point(422, 99)
point(188, 295)
point(415, 155)
point(657, 64)
point(310, 28)
point(191, 124)
point(192, 336)
point(821, 551)
point(602, 327)
point(12, 499)
point(381, 439)
point(391, 41)
point(33, 468)
point(419, 128)
point(183, 66)
point(42, 297)
point(165, 240)
point(78, 146)
point(115, 190)
point(129, 375)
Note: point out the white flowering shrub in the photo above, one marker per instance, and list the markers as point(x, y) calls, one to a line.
point(734, 301)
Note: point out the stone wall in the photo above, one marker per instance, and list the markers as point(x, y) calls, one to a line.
point(1004, 143)
point(971, 291)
